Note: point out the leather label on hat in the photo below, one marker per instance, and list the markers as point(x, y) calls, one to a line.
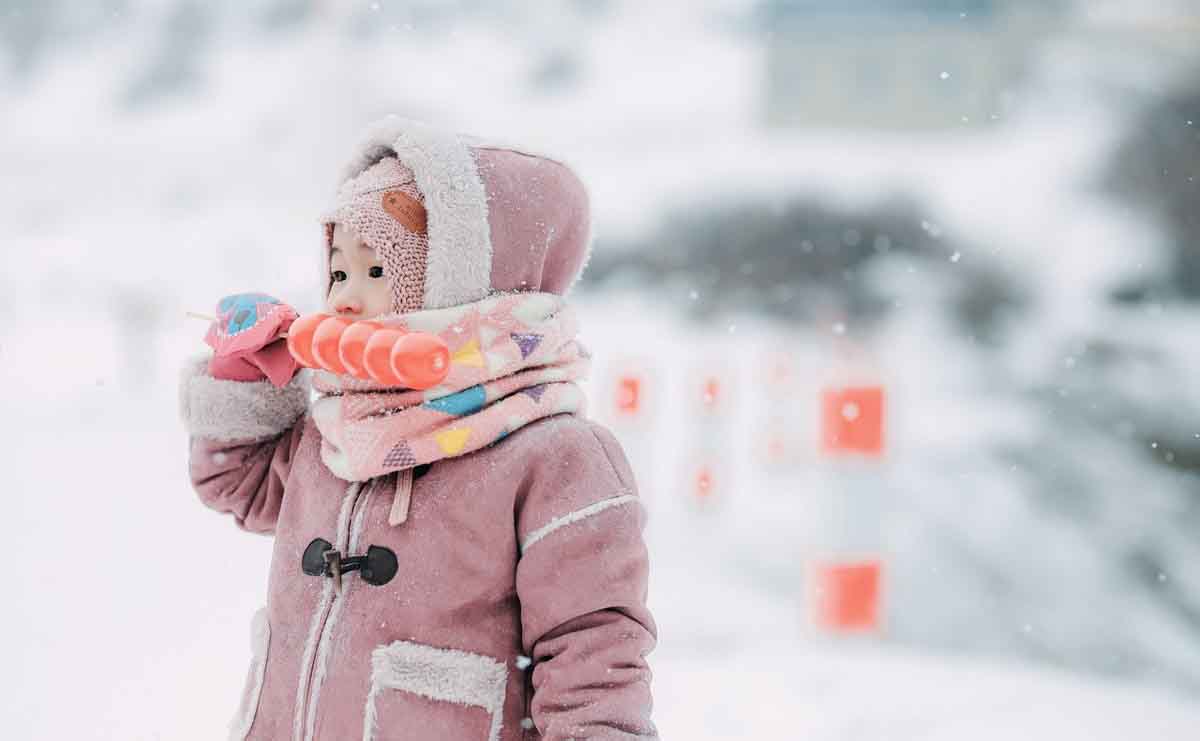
point(407, 210)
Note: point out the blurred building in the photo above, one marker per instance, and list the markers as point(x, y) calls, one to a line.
point(897, 64)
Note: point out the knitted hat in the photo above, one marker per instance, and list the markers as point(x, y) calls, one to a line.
point(496, 218)
point(384, 208)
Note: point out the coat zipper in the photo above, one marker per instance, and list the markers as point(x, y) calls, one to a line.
point(341, 543)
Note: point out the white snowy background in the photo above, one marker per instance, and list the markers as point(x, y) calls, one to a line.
point(157, 155)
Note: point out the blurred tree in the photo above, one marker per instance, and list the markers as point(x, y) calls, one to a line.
point(24, 32)
point(176, 65)
point(34, 31)
point(801, 260)
point(285, 15)
point(1157, 167)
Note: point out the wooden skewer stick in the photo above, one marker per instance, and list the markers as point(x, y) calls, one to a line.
point(209, 318)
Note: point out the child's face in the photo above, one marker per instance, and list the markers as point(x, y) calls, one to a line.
point(358, 288)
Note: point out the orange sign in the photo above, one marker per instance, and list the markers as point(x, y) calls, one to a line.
point(852, 420)
point(846, 596)
point(629, 395)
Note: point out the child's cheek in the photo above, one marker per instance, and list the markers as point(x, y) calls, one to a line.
point(382, 298)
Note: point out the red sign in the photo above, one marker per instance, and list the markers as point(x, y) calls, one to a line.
point(629, 395)
point(846, 596)
point(852, 420)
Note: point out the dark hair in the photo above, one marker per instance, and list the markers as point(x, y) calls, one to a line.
point(329, 225)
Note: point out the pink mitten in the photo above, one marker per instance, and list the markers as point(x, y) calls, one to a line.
point(246, 339)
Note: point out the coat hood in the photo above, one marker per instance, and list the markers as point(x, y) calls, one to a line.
point(499, 218)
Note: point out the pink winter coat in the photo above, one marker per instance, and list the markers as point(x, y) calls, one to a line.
point(515, 607)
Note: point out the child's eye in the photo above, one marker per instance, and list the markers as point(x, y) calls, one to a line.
point(375, 272)
point(335, 275)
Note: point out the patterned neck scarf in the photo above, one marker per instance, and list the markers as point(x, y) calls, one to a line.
point(514, 359)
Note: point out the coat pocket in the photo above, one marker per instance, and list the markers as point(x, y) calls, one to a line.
point(260, 639)
point(420, 691)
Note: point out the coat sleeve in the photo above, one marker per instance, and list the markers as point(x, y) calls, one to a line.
point(582, 583)
point(242, 439)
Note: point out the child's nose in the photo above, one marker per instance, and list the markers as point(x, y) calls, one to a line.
point(348, 305)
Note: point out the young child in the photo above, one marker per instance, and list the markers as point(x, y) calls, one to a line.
point(462, 563)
